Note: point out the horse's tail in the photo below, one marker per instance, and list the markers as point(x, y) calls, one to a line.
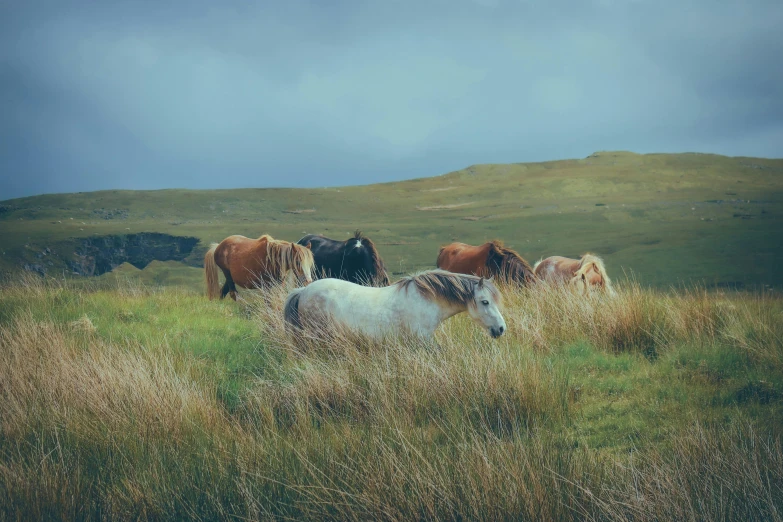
point(211, 273)
point(291, 309)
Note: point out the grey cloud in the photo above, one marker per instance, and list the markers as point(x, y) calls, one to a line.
point(201, 95)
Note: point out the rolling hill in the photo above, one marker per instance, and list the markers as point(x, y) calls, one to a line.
point(665, 218)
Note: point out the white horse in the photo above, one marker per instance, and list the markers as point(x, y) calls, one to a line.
point(414, 305)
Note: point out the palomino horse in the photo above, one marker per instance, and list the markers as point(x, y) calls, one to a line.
point(250, 262)
point(413, 305)
point(489, 260)
point(584, 273)
point(355, 259)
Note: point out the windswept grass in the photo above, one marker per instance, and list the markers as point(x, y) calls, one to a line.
point(129, 402)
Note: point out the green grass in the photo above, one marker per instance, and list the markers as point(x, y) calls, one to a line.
point(656, 216)
point(125, 400)
point(131, 396)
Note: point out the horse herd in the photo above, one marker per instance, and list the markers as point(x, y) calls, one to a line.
point(353, 288)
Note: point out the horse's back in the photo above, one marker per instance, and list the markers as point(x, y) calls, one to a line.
point(462, 258)
point(331, 291)
point(237, 245)
point(317, 242)
point(312, 239)
point(344, 303)
point(556, 268)
point(243, 257)
point(448, 254)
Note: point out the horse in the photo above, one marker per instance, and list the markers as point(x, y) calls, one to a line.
point(414, 305)
point(585, 273)
point(356, 259)
point(491, 259)
point(251, 262)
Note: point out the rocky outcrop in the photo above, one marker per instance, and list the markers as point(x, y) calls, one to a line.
point(35, 267)
point(98, 255)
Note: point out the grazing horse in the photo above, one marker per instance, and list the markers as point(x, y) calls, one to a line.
point(489, 260)
point(414, 305)
point(355, 259)
point(584, 274)
point(250, 262)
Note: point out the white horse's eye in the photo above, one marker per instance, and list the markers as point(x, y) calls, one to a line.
point(485, 302)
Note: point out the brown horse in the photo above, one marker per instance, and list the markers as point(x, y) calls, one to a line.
point(584, 274)
point(487, 260)
point(251, 262)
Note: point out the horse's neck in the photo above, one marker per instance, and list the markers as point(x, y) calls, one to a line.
point(425, 314)
point(447, 310)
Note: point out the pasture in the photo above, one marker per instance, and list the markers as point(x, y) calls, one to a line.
point(132, 396)
point(668, 218)
point(120, 400)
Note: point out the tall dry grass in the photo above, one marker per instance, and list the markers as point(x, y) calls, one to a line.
point(341, 428)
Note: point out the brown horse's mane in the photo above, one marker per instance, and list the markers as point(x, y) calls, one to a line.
point(451, 287)
point(282, 256)
point(378, 265)
point(507, 264)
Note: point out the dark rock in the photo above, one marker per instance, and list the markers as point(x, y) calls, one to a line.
point(38, 269)
point(101, 254)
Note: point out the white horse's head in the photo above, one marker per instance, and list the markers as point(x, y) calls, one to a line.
point(484, 308)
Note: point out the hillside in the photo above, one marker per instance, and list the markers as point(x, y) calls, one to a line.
point(667, 218)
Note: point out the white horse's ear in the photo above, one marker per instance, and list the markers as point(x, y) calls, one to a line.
point(491, 279)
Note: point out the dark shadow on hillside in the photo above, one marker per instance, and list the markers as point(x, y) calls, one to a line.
point(98, 255)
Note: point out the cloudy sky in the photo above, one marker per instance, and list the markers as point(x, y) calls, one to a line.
point(203, 94)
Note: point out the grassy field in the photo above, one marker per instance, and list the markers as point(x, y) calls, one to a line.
point(131, 396)
point(667, 218)
point(120, 400)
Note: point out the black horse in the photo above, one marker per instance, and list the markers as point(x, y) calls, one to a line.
point(355, 259)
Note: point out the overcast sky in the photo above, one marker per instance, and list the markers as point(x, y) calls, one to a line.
point(206, 94)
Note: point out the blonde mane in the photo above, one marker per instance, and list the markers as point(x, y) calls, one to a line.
point(587, 260)
point(451, 287)
point(282, 256)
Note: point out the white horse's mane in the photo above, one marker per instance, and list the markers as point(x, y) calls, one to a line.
point(451, 287)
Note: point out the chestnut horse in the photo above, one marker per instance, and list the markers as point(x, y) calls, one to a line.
point(488, 260)
point(585, 273)
point(251, 262)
